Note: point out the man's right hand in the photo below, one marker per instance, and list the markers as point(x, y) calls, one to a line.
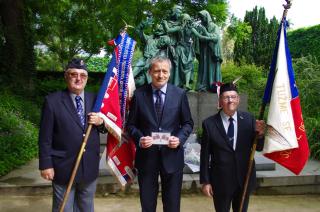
point(47, 174)
point(207, 190)
point(146, 141)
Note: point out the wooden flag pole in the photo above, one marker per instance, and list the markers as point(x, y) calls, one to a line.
point(75, 168)
point(255, 142)
point(253, 151)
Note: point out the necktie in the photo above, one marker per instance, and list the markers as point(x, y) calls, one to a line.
point(80, 110)
point(158, 104)
point(230, 132)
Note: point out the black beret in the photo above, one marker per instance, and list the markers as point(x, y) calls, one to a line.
point(76, 63)
point(228, 87)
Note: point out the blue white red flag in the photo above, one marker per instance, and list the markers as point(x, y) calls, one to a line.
point(112, 104)
point(286, 141)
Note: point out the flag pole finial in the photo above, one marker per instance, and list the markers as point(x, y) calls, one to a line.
point(286, 7)
point(125, 28)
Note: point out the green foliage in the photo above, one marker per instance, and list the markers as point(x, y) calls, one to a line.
point(47, 61)
point(24, 107)
point(305, 41)
point(307, 77)
point(252, 82)
point(53, 84)
point(312, 126)
point(98, 64)
point(259, 48)
point(68, 28)
point(49, 85)
point(238, 30)
point(308, 81)
point(218, 9)
point(18, 136)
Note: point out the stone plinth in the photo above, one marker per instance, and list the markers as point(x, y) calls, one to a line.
point(203, 105)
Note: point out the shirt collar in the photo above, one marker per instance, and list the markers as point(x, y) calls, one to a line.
point(226, 117)
point(74, 95)
point(163, 89)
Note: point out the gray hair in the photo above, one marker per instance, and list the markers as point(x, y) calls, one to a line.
point(160, 58)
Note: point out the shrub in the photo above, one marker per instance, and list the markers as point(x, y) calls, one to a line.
point(252, 82)
point(308, 81)
point(306, 69)
point(98, 64)
point(18, 136)
point(24, 108)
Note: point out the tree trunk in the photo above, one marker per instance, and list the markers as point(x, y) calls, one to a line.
point(17, 65)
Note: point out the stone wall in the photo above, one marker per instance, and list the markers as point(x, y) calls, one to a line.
point(203, 105)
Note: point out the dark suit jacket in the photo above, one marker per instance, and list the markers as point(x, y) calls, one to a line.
point(61, 136)
point(176, 119)
point(227, 168)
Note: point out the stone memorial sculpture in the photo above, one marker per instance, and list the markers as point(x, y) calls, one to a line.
point(183, 39)
point(208, 53)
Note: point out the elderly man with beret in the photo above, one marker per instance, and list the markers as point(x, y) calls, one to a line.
point(65, 117)
point(225, 151)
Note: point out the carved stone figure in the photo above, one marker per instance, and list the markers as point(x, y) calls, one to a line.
point(182, 39)
point(208, 53)
point(184, 53)
point(154, 44)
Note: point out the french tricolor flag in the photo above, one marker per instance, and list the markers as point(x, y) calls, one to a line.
point(286, 141)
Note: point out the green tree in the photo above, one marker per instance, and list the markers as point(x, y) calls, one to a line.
point(308, 81)
point(70, 27)
point(305, 41)
point(236, 33)
point(67, 28)
point(259, 48)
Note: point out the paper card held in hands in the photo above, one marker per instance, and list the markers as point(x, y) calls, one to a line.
point(160, 138)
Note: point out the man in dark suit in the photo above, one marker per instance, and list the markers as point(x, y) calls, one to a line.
point(160, 107)
point(62, 128)
point(225, 151)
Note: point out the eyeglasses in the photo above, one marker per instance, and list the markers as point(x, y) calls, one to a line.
point(74, 75)
point(227, 98)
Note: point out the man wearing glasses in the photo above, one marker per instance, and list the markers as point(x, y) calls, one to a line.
point(225, 151)
point(65, 117)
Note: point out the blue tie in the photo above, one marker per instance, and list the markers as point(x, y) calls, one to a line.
point(230, 132)
point(158, 104)
point(80, 110)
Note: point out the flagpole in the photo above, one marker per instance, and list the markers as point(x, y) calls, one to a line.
point(261, 115)
point(75, 168)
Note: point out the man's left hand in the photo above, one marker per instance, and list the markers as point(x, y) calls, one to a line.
point(260, 127)
point(95, 119)
point(174, 142)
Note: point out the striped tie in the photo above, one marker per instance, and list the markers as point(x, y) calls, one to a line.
point(230, 132)
point(80, 110)
point(158, 104)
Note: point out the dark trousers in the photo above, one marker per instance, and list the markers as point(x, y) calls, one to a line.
point(170, 190)
point(81, 197)
point(222, 202)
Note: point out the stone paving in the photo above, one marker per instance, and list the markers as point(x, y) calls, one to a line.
point(189, 203)
point(24, 190)
point(27, 181)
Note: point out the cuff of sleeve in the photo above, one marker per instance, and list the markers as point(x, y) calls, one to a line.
point(45, 163)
